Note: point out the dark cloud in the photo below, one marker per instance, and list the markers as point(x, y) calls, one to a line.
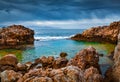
point(25, 10)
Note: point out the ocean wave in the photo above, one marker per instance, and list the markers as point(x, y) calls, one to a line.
point(47, 38)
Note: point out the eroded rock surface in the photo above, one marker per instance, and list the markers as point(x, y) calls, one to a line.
point(86, 58)
point(15, 35)
point(100, 34)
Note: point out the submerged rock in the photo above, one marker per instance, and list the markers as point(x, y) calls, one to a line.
point(15, 35)
point(100, 34)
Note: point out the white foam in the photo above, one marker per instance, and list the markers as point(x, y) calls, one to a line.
point(47, 38)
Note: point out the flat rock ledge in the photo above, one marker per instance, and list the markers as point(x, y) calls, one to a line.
point(15, 36)
point(104, 34)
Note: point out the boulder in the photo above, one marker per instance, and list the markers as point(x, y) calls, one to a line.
point(86, 58)
point(9, 59)
point(8, 62)
point(15, 35)
point(60, 62)
point(9, 76)
point(100, 34)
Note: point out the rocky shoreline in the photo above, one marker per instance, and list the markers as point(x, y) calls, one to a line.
point(16, 36)
point(83, 67)
point(105, 34)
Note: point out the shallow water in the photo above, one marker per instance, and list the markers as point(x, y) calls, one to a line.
point(54, 47)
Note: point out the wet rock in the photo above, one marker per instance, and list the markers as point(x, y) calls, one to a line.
point(86, 58)
point(63, 54)
point(100, 34)
point(9, 76)
point(14, 36)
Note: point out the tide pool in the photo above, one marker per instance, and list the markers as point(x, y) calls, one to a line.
point(55, 47)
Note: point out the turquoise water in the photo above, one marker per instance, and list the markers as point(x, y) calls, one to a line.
point(51, 42)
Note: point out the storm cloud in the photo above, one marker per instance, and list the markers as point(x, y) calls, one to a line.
point(58, 10)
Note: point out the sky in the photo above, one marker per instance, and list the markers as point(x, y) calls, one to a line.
point(59, 13)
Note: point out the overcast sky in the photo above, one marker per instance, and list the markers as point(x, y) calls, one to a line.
point(59, 13)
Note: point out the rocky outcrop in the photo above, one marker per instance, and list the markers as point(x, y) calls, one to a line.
point(82, 68)
point(86, 58)
point(15, 36)
point(100, 34)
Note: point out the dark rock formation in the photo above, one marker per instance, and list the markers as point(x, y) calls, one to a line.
point(100, 34)
point(15, 35)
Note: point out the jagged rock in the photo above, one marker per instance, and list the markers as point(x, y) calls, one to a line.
point(8, 62)
point(15, 35)
point(100, 34)
point(86, 58)
point(9, 76)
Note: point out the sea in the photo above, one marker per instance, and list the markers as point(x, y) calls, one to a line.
point(51, 42)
